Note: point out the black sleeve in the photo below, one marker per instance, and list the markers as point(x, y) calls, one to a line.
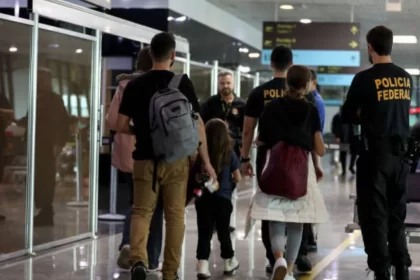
point(266, 125)
point(353, 102)
point(316, 120)
point(128, 101)
point(255, 104)
point(187, 88)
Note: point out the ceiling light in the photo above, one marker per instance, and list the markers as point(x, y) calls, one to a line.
point(305, 21)
point(13, 49)
point(286, 7)
point(183, 18)
point(405, 39)
point(244, 69)
point(170, 18)
point(413, 71)
point(79, 51)
point(254, 55)
point(243, 50)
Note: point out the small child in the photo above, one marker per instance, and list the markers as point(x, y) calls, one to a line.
point(214, 209)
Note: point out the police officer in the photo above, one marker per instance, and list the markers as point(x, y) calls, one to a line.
point(379, 100)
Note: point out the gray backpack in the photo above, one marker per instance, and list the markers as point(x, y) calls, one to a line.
point(173, 123)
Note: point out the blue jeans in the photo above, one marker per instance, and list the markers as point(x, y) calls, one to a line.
point(154, 244)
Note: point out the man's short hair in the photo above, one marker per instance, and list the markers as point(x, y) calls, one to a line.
point(161, 46)
point(381, 39)
point(281, 58)
point(313, 75)
point(224, 74)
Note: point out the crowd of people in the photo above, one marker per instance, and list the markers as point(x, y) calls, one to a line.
point(216, 139)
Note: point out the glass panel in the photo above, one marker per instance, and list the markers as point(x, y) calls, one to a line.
point(56, 184)
point(178, 67)
point(201, 78)
point(247, 85)
point(14, 70)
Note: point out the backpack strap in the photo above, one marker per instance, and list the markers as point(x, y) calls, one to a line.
point(175, 81)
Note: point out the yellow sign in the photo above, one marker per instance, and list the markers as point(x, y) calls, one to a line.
point(353, 44)
point(354, 29)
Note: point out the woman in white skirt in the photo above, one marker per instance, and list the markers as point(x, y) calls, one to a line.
point(285, 214)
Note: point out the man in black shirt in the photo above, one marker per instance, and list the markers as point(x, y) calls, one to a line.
point(281, 60)
point(228, 107)
point(171, 177)
point(379, 100)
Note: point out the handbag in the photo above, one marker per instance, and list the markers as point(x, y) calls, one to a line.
point(285, 172)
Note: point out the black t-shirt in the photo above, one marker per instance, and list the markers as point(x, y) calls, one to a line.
point(135, 105)
point(383, 95)
point(292, 121)
point(262, 95)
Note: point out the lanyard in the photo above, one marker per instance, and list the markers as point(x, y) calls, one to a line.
point(226, 108)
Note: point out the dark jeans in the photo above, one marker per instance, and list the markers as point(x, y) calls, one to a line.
point(154, 244)
point(308, 239)
point(381, 203)
point(213, 211)
point(265, 233)
point(45, 168)
point(343, 160)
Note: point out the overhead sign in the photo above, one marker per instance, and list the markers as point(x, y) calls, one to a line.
point(330, 44)
point(100, 3)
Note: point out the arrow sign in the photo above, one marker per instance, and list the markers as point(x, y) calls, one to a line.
point(354, 30)
point(353, 44)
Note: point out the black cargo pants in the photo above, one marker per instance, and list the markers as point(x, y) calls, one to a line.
point(381, 204)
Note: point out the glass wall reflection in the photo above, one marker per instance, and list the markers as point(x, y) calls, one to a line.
point(14, 88)
point(62, 136)
point(247, 85)
point(178, 67)
point(201, 79)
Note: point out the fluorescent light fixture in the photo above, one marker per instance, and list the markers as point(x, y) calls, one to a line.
point(13, 49)
point(183, 18)
point(244, 69)
point(79, 51)
point(254, 55)
point(243, 50)
point(305, 21)
point(394, 6)
point(170, 18)
point(405, 39)
point(286, 7)
point(413, 71)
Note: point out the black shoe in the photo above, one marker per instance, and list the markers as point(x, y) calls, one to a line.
point(138, 272)
point(382, 275)
point(269, 269)
point(402, 273)
point(231, 229)
point(303, 264)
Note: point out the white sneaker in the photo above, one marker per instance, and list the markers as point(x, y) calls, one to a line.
point(157, 269)
point(280, 270)
point(231, 265)
point(124, 258)
point(203, 271)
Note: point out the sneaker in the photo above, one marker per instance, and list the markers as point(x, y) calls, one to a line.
point(123, 260)
point(382, 275)
point(138, 272)
point(231, 265)
point(303, 264)
point(280, 270)
point(203, 271)
point(154, 269)
point(269, 269)
point(402, 273)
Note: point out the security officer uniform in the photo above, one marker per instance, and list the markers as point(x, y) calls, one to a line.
point(379, 100)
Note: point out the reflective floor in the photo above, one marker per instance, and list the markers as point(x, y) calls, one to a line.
point(340, 255)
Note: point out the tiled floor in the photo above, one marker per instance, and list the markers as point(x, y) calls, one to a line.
point(340, 255)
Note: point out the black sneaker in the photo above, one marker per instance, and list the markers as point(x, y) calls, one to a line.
point(402, 273)
point(269, 269)
point(138, 272)
point(303, 264)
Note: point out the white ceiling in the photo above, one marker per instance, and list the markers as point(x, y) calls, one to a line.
point(368, 12)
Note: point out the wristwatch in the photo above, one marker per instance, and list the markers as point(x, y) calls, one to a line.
point(244, 160)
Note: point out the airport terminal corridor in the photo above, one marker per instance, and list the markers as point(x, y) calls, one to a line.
point(340, 255)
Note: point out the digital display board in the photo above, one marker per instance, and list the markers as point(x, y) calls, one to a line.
point(330, 44)
point(336, 75)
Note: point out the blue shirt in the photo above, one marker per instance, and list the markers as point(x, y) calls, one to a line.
point(225, 178)
point(320, 105)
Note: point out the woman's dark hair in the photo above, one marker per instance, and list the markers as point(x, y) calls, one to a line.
point(144, 61)
point(219, 144)
point(298, 77)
